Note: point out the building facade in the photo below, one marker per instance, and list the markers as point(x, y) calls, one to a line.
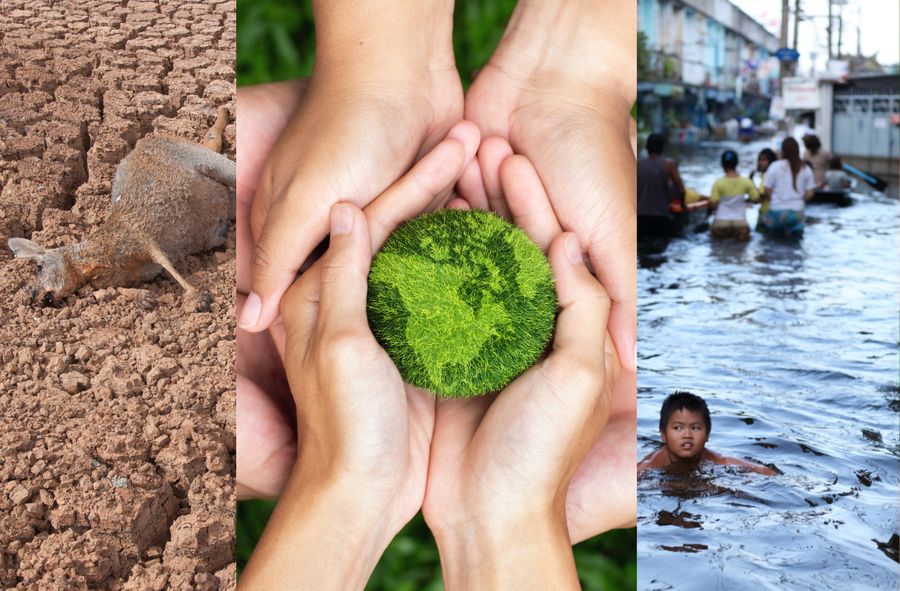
point(705, 57)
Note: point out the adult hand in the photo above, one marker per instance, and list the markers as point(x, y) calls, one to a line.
point(364, 435)
point(384, 91)
point(266, 436)
point(559, 89)
point(501, 467)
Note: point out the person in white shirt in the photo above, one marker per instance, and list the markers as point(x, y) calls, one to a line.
point(790, 184)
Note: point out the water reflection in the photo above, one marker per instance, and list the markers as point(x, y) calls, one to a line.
point(794, 347)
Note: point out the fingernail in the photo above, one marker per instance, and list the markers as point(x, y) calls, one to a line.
point(341, 219)
point(573, 250)
point(250, 313)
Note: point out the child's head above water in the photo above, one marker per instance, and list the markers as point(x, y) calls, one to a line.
point(729, 160)
point(766, 157)
point(684, 425)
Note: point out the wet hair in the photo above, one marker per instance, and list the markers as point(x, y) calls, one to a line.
point(729, 159)
point(812, 143)
point(656, 143)
point(836, 163)
point(769, 153)
point(683, 401)
point(790, 150)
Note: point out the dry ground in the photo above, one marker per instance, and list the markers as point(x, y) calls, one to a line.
point(117, 407)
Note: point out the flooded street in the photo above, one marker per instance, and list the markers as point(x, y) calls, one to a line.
point(794, 346)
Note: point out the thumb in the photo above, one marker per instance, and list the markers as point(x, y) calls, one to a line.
point(289, 235)
point(345, 273)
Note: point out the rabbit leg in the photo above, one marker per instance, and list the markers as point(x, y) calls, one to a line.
point(200, 300)
point(212, 139)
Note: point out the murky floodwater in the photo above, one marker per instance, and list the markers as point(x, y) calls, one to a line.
point(794, 347)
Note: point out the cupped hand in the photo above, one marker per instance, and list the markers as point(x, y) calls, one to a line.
point(358, 129)
point(266, 435)
point(511, 458)
point(562, 100)
point(364, 435)
point(357, 421)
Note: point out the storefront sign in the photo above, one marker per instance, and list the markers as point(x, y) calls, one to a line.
point(801, 94)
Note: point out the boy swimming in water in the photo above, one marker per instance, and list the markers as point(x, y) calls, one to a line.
point(684, 426)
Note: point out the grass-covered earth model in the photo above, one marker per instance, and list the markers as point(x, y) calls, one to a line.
point(462, 301)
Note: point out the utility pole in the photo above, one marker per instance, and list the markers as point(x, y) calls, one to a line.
point(858, 33)
point(785, 10)
point(795, 65)
point(830, 21)
point(782, 66)
point(840, 30)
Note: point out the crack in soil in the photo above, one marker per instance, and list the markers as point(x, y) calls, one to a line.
point(121, 375)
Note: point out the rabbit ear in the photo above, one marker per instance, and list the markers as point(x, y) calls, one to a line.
point(26, 249)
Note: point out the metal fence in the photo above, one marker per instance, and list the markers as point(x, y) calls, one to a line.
point(862, 124)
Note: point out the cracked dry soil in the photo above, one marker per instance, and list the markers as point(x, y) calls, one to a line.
point(117, 407)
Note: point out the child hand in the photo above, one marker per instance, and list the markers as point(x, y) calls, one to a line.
point(364, 435)
point(501, 467)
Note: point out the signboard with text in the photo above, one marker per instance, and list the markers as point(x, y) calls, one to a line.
point(800, 94)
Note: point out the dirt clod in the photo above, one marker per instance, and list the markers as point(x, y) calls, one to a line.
point(116, 446)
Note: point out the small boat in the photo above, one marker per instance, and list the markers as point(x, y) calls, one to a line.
point(694, 216)
point(839, 198)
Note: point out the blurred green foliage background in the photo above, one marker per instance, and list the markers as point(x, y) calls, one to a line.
point(276, 41)
point(276, 38)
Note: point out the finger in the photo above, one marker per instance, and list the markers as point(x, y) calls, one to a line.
point(584, 305)
point(471, 187)
point(467, 134)
point(458, 204)
point(416, 191)
point(493, 151)
point(528, 202)
point(244, 246)
point(291, 231)
point(618, 274)
point(299, 312)
point(345, 271)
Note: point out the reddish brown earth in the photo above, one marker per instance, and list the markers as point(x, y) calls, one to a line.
point(116, 407)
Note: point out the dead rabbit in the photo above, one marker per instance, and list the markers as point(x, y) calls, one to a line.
point(170, 198)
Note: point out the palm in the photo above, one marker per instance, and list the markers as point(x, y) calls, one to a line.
point(565, 139)
point(585, 163)
point(504, 451)
point(372, 134)
point(601, 493)
point(389, 428)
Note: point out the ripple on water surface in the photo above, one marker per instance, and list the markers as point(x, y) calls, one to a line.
point(794, 347)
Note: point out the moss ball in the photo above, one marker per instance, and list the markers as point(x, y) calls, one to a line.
point(462, 301)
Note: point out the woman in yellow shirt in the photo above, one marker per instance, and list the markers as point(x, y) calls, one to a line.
point(728, 199)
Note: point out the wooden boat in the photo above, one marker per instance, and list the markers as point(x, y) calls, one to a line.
point(839, 198)
point(694, 217)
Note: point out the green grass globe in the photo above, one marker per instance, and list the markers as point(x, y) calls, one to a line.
point(462, 301)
